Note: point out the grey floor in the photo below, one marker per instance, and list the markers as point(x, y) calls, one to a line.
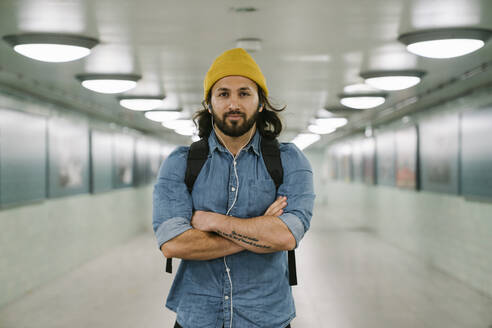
point(347, 279)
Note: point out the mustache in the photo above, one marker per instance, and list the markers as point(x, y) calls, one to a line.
point(234, 112)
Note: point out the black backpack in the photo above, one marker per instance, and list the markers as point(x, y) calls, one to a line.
point(197, 157)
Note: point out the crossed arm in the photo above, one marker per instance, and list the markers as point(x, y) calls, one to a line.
point(216, 235)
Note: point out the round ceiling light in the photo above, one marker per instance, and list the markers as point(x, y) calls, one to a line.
point(445, 42)
point(109, 83)
point(393, 80)
point(178, 124)
point(332, 122)
point(163, 115)
point(362, 100)
point(303, 140)
point(318, 129)
point(141, 103)
point(326, 125)
point(184, 127)
point(51, 47)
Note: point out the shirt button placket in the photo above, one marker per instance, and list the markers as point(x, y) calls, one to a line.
point(227, 304)
point(232, 186)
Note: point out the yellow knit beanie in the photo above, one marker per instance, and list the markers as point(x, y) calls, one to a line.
point(233, 62)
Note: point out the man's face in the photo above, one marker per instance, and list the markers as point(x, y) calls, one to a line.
point(234, 101)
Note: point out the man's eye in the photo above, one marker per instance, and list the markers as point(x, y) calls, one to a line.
point(223, 94)
point(243, 94)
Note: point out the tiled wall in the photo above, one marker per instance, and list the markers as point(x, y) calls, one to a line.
point(447, 232)
point(41, 241)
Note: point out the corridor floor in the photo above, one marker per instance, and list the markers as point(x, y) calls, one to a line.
point(347, 279)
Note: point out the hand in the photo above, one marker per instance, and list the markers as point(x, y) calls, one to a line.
point(203, 221)
point(277, 207)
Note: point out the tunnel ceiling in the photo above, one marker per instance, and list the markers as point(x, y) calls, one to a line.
point(310, 51)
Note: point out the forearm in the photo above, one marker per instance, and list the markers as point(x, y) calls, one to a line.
point(194, 244)
point(264, 234)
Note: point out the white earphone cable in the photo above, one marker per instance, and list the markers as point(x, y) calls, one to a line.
point(228, 270)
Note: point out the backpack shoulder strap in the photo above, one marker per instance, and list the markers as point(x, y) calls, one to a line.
point(271, 156)
point(197, 156)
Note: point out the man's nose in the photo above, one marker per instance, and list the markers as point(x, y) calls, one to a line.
point(233, 103)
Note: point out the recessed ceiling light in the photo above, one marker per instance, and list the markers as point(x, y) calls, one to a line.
point(249, 44)
point(108, 83)
point(393, 80)
point(51, 47)
point(362, 100)
point(163, 115)
point(141, 103)
point(445, 42)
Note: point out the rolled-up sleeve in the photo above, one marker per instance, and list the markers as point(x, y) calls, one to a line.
point(298, 188)
point(172, 203)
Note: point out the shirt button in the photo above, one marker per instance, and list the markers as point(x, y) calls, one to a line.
point(226, 297)
point(233, 189)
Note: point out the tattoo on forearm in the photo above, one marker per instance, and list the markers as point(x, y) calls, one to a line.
point(242, 238)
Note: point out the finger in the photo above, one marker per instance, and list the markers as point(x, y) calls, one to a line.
point(278, 213)
point(273, 205)
point(279, 203)
point(276, 207)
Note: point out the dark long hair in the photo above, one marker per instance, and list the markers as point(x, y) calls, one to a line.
point(268, 122)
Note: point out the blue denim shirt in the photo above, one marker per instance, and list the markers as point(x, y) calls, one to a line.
point(201, 291)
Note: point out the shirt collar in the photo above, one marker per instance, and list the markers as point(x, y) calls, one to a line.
point(214, 144)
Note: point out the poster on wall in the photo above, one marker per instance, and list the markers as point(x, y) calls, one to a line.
point(68, 157)
point(406, 157)
point(101, 161)
point(23, 154)
point(476, 153)
point(438, 148)
point(357, 160)
point(368, 160)
point(385, 158)
point(123, 159)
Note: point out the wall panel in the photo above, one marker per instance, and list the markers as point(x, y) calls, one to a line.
point(22, 157)
point(476, 154)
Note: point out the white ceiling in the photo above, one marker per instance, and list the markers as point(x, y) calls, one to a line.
point(311, 49)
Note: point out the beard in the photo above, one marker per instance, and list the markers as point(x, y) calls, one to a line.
point(235, 128)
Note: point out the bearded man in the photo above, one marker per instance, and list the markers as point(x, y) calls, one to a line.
point(233, 228)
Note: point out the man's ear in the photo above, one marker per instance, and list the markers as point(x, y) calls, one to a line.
point(260, 107)
point(209, 107)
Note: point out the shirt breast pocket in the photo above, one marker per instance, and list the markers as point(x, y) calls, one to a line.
point(261, 195)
